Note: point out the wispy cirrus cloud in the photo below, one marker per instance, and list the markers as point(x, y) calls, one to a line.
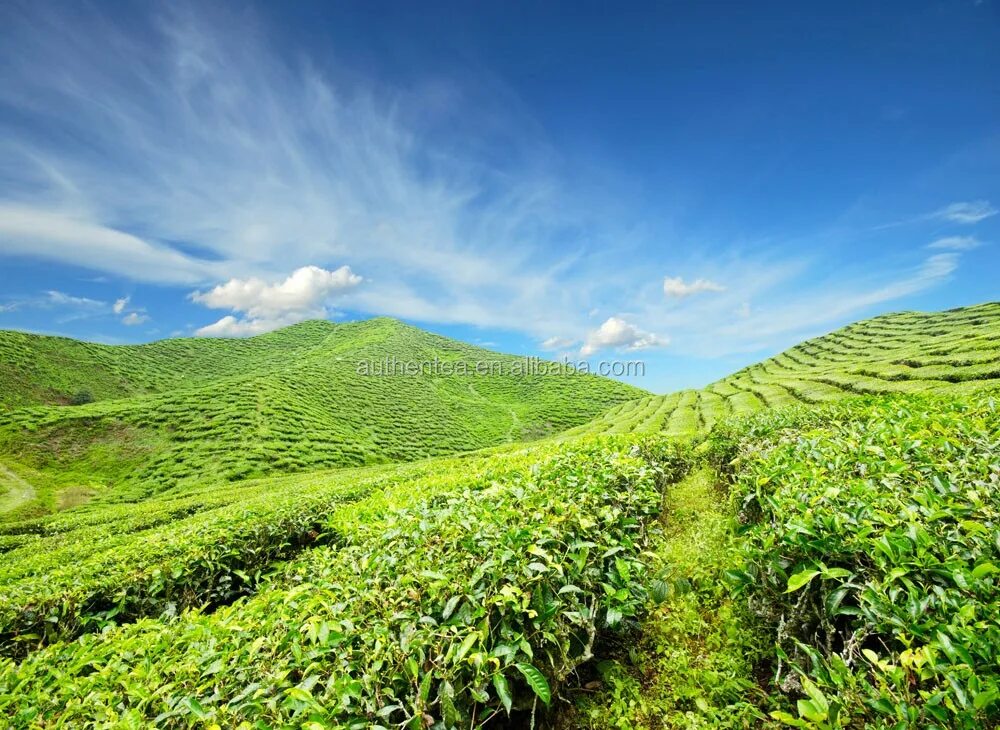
point(71, 308)
point(58, 232)
point(65, 307)
point(966, 212)
point(955, 243)
point(960, 213)
point(213, 161)
point(800, 314)
point(210, 156)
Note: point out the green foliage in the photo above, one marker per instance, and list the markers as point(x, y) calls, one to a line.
point(184, 412)
point(81, 397)
point(870, 550)
point(434, 606)
point(690, 662)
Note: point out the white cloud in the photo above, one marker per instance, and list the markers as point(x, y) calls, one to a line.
point(301, 296)
point(119, 306)
point(67, 306)
point(966, 213)
point(61, 299)
point(58, 235)
point(134, 318)
point(52, 299)
point(956, 243)
point(675, 286)
point(619, 334)
point(557, 343)
point(229, 326)
point(212, 158)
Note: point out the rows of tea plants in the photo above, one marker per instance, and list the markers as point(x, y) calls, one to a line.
point(86, 569)
point(436, 606)
point(871, 550)
point(39, 369)
point(290, 401)
point(957, 351)
point(82, 570)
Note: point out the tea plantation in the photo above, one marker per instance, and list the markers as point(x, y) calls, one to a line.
point(180, 412)
point(811, 542)
point(957, 351)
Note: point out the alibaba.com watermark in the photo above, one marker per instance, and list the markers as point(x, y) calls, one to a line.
point(392, 366)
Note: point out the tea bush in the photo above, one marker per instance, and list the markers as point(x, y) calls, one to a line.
point(872, 550)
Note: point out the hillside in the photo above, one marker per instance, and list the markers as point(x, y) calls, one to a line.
point(193, 410)
point(957, 351)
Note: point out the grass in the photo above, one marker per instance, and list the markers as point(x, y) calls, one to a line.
point(181, 412)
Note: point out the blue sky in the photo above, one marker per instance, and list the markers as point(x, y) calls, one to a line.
point(694, 185)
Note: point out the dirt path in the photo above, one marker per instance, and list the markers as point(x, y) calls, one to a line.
point(16, 490)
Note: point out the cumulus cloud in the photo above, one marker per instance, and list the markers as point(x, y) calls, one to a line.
point(133, 318)
point(956, 243)
point(119, 306)
point(616, 333)
point(557, 343)
point(675, 286)
point(267, 306)
point(229, 326)
point(966, 213)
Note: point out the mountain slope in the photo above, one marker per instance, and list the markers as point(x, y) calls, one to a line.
point(955, 351)
point(291, 400)
point(43, 370)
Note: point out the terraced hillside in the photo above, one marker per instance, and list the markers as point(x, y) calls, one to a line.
point(957, 351)
point(184, 411)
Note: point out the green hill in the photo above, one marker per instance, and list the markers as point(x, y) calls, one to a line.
point(192, 410)
point(957, 351)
